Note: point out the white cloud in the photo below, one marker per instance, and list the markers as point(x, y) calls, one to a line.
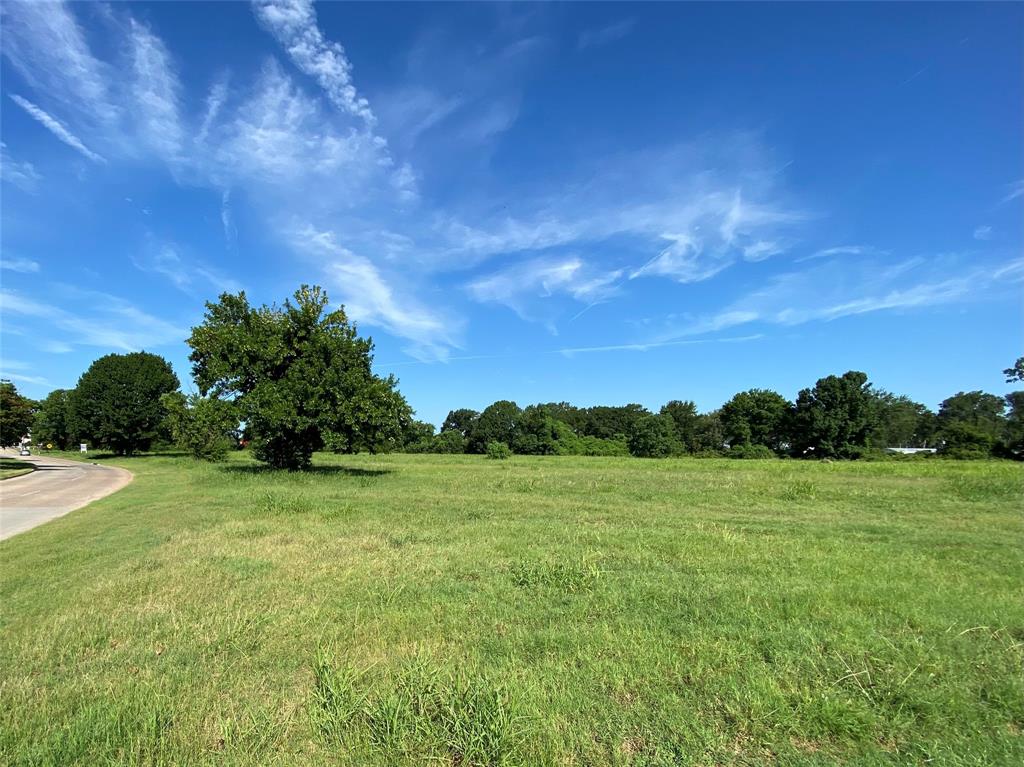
point(227, 221)
point(293, 24)
point(370, 297)
point(1016, 190)
point(515, 286)
point(983, 233)
point(22, 174)
point(47, 47)
point(99, 320)
point(19, 378)
point(843, 250)
point(155, 92)
point(193, 278)
point(761, 250)
point(56, 127)
point(833, 290)
point(23, 265)
point(214, 104)
point(603, 35)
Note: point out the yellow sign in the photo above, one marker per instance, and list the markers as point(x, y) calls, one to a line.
point(49, 446)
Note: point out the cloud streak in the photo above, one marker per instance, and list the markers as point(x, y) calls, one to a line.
point(293, 24)
point(56, 127)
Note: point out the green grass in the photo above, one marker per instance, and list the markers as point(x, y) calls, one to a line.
point(12, 467)
point(407, 610)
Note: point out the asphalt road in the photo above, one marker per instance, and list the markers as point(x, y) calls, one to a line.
point(56, 487)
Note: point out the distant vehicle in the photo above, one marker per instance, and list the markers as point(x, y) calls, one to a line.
point(24, 451)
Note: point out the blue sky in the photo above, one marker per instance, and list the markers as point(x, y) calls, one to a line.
point(599, 203)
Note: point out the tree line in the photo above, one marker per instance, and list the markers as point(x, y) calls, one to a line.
point(293, 379)
point(841, 416)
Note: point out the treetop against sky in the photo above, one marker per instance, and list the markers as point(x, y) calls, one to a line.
point(596, 203)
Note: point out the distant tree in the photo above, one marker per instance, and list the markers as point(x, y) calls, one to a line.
point(117, 402)
point(417, 436)
point(902, 422)
point(709, 434)
point(205, 427)
point(16, 414)
point(537, 433)
point(1013, 441)
point(654, 436)
point(757, 417)
point(612, 422)
point(1016, 373)
point(448, 442)
point(964, 440)
point(497, 423)
point(461, 420)
point(51, 425)
point(497, 451)
point(974, 408)
point(300, 375)
point(566, 413)
point(836, 417)
point(684, 416)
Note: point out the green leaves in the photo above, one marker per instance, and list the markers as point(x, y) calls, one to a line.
point(117, 401)
point(300, 375)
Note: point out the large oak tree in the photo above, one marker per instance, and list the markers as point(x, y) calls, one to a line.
point(300, 376)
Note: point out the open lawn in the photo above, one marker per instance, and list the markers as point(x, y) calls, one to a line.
point(536, 611)
point(12, 467)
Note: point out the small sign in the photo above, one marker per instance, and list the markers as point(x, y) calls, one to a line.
point(83, 448)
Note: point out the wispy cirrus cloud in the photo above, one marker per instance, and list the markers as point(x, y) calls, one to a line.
point(843, 250)
point(22, 265)
point(370, 296)
point(1016, 190)
point(21, 174)
point(155, 92)
point(591, 38)
point(102, 320)
point(192, 277)
point(293, 24)
point(56, 127)
point(834, 290)
point(518, 285)
point(983, 233)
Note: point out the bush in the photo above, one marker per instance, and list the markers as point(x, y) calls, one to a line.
point(206, 427)
point(654, 436)
point(497, 451)
point(448, 443)
point(756, 452)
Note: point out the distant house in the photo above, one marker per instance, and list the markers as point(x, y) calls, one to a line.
point(910, 450)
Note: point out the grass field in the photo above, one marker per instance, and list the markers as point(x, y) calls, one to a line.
point(12, 467)
point(538, 611)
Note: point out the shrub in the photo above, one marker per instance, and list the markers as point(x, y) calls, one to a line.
point(448, 442)
point(757, 452)
point(497, 451)
point(654, 436)
point(206, 427)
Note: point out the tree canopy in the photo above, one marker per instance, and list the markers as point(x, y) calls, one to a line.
point(300, 376)
point(835, 417)
point(52, 422)
point(116, 403)
point(16, 413)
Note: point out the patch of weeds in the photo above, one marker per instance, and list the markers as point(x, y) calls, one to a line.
point(243, 567)
point(798, 490)
point(418, 712)
point(571, 577)
point(253, 732)
point(985, 488)
point(272, 504)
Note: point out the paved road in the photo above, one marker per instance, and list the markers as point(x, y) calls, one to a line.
point(56, 487)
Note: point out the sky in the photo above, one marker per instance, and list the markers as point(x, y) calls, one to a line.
point(596, 203)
